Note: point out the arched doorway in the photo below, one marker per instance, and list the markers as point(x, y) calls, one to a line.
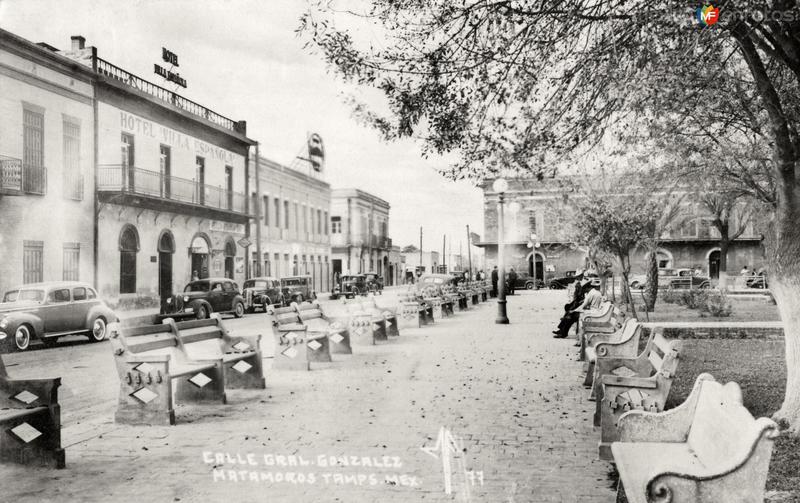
point(663, 259)
point(199, 252)
point(230, 257)
point(166, 247)
point(128, 248)
point(536, 267)
point(714, 259)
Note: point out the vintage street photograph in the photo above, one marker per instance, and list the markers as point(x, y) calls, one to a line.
point(502, 251)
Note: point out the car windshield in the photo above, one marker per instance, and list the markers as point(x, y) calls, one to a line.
point(201, 286)
point(250, 283)
point(24, 296)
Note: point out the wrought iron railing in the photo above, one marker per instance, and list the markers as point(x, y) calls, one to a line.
point(10, 174)
point(119, 178)
point(109, 70)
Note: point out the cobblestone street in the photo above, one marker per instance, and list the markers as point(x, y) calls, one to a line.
point(509, 395)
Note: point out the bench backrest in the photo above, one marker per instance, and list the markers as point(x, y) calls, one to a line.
point(152, 339)
point(722, 430)
point(663, 354)
point(285, 316)
point(200, 330)
point(308, 311)
point(628, 330)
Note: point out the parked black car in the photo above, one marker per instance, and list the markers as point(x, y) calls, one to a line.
point(262, 292)
point(563, 281)
point(297, 289)
point(526, 281)
point(350, 285)
point(374, 282)
point(202, 297)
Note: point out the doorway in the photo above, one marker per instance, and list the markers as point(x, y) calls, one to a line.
point(230, 254)
point(714, 259)
point(536, 267)
point(199, 251)
point(166, 247)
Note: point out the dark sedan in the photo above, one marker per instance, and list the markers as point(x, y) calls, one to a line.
point(202, 297)
point(562, 282)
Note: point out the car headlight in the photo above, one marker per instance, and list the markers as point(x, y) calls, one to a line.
point(186, 299)
point(4, 323)
point(169, 300)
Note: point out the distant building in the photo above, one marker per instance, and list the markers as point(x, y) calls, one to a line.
point(360, 233)
point(46, 165)
point(172, 179)
point(544, 210)
point(429, 262)
point(292, 207)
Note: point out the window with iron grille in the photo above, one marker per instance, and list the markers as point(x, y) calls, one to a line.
point(286, 215)
point(266, 211)
point(34, 177)
point(336, 225)
point(73, 179)
point(32, 261)
point(72, 262)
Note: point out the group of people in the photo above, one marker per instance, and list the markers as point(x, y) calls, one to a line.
point(511, 280)
point(585, 297)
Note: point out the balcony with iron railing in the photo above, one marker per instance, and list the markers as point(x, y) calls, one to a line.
point(18, 178)
point(114, 72)
point(176, 194)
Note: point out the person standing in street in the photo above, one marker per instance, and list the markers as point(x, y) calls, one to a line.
point(512, 281)
point(494, 281)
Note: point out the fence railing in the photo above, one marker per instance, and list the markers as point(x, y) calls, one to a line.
point(10, 174)
point(112, 71)
point(120, 178)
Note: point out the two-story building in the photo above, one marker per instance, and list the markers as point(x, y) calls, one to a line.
point(360, 233)
point(293, 215)
point(46, 165)
point(171, 183)
point(543, 208)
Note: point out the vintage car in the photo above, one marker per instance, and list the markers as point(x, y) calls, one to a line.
point(673, 278)
point(374, 282)
point(459, 276)
point(562, 281)
point(47, 311)
point(297, 289)
point(202, 297)
point(350, 285)
point(262, 293)
point(524, 280)
point(434, 283)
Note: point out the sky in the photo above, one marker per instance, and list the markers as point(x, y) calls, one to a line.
point(243, 59)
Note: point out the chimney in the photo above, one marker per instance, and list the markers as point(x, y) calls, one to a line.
point(78, 42)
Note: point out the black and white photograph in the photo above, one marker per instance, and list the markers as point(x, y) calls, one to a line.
point(506, 251)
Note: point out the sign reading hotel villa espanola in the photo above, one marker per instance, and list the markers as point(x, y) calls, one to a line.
point(171, 58)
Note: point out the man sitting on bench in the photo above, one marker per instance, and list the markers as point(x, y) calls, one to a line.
point(588, 297)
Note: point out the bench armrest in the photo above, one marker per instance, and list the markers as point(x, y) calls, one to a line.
point(638, 364)
point(46, 389)
point(254, 341)
point(619, 349)
point(134, 358)
point(594, 338)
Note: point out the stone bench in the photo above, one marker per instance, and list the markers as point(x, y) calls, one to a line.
point(622, 343)
point(414, 311)
point(151, 360)
point(209, 339)
point(388, 313)
point(605, 320)
point(709, 449)
point(30, 421)
point(312, 316)
point(642, 382)
point(366, 326)
point(295, 345)
point(442, 306)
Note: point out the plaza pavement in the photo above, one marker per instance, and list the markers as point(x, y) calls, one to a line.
point(507, 399)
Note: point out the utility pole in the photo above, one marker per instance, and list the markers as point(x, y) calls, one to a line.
point(444, 257)
point(420, 249)
point(469, 250)
point(257, 204)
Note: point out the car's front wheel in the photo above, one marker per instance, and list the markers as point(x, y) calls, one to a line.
point(554, 286)
point(201, 312)
point(238, 309)
point(635, 285)
point(99, 330)
point(529, 285)
point(22, 337)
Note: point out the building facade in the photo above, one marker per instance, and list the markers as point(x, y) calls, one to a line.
point(420, 263)
point(543, 208)
point(359, 233)
point(46, 165)
point(172, 179)
point(294, 228)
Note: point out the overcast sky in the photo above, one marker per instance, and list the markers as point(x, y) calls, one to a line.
point(242, 58)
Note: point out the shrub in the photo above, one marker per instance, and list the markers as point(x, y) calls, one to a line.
point(671, 296)
point(717, 304)
point(694, 298)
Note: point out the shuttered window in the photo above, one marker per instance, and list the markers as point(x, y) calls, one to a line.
point(34, 175)
point(72, 261)
point(32, 263)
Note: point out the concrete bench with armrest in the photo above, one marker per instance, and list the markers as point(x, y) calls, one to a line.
point(295, 345)
point(312, 316)
point(623, 384)
point(709, 449)
point(605, 320)
point(151, 360)
point(210, 339)
point(622, 343)
point(388, 313)
point(30, 421)
point(414, 312)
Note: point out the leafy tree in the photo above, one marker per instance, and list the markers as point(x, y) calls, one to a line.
point(518, 84)
point(410, 249)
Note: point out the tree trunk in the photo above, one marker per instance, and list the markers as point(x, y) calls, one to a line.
point(625, 266)
point(651, 286)
point(787, 295)
point(724, 246)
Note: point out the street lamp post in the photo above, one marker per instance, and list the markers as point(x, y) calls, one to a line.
point(501, 186)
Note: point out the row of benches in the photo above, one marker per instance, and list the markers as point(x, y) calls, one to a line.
point(196, 361)
point(708, 449)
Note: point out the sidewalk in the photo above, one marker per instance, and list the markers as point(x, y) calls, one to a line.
point(508, 397)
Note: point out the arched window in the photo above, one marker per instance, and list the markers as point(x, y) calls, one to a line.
point(230, 254)
point(128, 248)
point(664, 259)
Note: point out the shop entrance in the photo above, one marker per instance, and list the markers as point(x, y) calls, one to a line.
point(199, 251)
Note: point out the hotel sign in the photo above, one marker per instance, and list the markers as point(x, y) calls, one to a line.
point(171, 58)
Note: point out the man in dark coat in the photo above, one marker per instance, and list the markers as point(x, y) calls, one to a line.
point(583, 284)
point(512, 281)
point(494, 282)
